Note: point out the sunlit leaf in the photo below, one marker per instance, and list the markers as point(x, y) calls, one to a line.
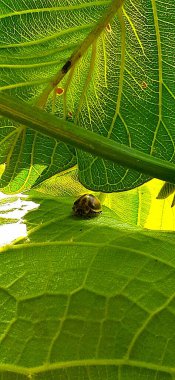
point(131, 206)
point(166, 190)
point(139, 206)
point(161, 213)
point(86, 299)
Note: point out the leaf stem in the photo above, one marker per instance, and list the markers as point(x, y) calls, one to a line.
point(93, 143)
point(80, 51)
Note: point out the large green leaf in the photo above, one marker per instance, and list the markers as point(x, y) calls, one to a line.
point(87, 299)
point(122, 86)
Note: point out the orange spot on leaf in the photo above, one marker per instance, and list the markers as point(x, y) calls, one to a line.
point(108, 28)
point(59, 90)
point(144, 85)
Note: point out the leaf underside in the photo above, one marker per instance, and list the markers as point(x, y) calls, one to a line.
point(121, 88)
point(86, 299)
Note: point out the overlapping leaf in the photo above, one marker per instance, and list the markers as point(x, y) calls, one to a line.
point(122, 87)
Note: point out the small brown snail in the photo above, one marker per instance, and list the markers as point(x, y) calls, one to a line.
point(87, 206)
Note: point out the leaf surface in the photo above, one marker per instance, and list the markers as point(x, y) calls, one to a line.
point(121, 88)
point(90, 299)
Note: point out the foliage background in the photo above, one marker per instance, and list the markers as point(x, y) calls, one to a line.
point(88, 299)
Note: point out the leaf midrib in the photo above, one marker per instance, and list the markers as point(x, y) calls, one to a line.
point(84, 244)
point(86, 363)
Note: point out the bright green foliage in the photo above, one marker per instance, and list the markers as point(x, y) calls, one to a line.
point(87, 299)
point(122, 87)
point(132, 207)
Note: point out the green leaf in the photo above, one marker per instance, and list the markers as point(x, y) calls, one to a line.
point(121, 88)
point(86, 299)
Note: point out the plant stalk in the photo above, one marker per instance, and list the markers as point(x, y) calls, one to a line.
point(80, 50)
point(97, 145)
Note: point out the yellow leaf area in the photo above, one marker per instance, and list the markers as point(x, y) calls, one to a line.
point(138, 206)
point(2, 168)
point(161, 215)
